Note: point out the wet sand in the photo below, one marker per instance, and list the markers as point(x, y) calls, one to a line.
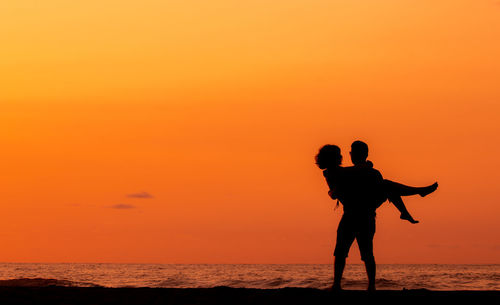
point(224, 295)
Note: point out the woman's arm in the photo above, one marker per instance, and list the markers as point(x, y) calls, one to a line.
point(333, 195)
point(329, 177)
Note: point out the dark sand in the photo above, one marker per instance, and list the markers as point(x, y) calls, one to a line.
point(223, 295)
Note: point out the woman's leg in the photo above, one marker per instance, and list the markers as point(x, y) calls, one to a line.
point(405, 190)
point(395, 190)
point(400, 205)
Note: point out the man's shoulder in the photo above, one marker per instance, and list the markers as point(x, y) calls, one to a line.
point(365, 171)
point(362, 169)
point(375, 171)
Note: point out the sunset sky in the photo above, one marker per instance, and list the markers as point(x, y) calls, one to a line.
point(184, 131)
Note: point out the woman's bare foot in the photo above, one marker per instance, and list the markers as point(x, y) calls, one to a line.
point(407, 216)
point(428, 189)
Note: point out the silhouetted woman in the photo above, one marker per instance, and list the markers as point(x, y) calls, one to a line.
point(329, 159)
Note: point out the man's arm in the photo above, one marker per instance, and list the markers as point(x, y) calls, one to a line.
point(380, 195)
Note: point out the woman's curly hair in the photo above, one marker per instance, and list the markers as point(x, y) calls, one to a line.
point(328, 156)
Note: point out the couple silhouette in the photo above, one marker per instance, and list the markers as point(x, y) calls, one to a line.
point(361, 189)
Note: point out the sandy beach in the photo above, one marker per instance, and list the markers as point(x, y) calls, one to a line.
point(224, 295)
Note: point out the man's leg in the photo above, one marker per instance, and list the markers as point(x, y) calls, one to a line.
point(371, 270)
point(345, 238)
point(365, 244)
point(339, 266)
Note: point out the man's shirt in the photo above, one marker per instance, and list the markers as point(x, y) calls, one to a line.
point(362, 190)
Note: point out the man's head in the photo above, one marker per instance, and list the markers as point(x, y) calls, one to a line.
point(359, 152)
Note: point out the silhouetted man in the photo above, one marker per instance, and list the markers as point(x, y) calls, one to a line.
point(361, 196)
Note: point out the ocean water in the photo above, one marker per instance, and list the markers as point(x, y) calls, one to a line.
point(435, 277)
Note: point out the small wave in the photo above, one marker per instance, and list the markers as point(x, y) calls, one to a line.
point(42, 282)
point(272, 283)
point(232, 283)
point(381, 283)
point(311, 283)
point(127, 286)
point(176, 282)
point(276, 282)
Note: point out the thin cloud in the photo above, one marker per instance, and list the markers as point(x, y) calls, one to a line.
point(141, 195)
point(122, 206)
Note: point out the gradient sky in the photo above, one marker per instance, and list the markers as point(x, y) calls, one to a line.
point(215, 109)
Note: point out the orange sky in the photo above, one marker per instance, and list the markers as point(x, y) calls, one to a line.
point(217, 108)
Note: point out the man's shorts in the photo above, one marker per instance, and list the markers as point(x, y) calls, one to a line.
point(361, 228)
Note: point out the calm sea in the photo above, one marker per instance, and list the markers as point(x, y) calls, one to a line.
point(436, 277)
